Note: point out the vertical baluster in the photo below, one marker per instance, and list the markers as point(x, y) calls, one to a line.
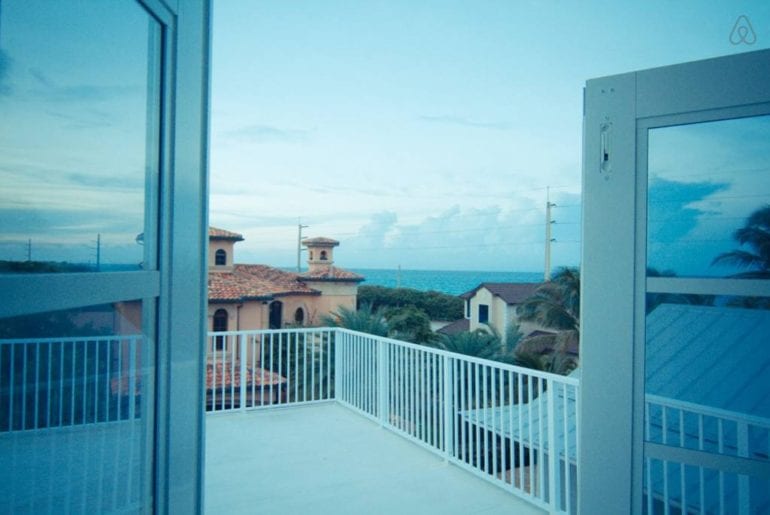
point(721, 447)
point(37, 382)
point(24, 392)
point(132, 379)
point(553, 478)
point(531, 439)
point(485, 419)
point(96, 380)
point(666, 499)
point(476, 410)
point(108, 382)
point(242, 357)
point(701, 470)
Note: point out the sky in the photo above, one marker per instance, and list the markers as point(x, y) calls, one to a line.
point(426, 134)
point(421, 134)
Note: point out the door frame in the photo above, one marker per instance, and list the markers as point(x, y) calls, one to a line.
point(618, 111)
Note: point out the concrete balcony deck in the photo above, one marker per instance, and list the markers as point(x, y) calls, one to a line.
point(325, 458)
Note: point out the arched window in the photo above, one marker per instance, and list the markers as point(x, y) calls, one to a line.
point(323, 255)
point(220, 257)
point(299, 316)
point(220, 325)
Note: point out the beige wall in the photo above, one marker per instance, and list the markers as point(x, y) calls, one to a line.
point(501, 314)
point(227, 246)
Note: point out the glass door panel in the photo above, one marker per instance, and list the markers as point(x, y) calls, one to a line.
point(80, 104)
point(707, 364)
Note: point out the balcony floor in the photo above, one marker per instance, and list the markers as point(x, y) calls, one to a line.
point(325, 458)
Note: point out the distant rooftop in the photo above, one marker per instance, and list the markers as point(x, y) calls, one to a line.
point(330, 273)
point(221, 234)
point(254, 282)
point(511, 293)
point(320, 241)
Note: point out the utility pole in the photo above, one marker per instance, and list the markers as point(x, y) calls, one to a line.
point(299, 243)
point(98, 252)
point(29, 250)
point(548, 238)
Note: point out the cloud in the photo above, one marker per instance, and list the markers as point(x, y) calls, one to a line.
point(672, 211)
point(489, 238)
point(267, 133)
point(50, 91)
point(465, 122)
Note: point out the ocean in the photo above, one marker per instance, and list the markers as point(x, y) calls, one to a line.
point(446, 281)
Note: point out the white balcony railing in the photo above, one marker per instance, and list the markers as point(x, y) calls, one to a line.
point(58, 382)
point(512, 426)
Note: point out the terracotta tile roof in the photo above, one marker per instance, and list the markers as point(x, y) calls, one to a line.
point(221, 234)
point(231, 376)
point(252, 282)
point(331, 273)
point(320, 241)
point(511, 293)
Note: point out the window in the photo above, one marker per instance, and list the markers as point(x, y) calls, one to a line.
point(483, 313)
point(299, 316)
point(468, 308)
point(220, 258)
point(219, 326)
point(323, 255)
point(108, 73)
point(276, 315)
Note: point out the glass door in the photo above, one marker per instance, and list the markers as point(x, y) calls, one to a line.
point(80, 182)
point(674, 403)
point(707, 312)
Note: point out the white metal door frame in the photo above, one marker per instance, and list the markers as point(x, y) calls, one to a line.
point(619, 111)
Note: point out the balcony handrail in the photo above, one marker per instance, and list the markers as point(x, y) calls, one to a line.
point(709, 411)
point(573, 381)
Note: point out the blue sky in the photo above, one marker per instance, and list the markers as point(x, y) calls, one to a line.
point(425, 133)
point(418, 133)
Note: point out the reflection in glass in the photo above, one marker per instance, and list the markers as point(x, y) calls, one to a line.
point(705, 181)
point(73, 410)
point(78, 118)
point(706, 374)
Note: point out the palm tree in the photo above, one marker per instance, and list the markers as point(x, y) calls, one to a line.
point(756, 235)
point(365, 319)
point(554, 305)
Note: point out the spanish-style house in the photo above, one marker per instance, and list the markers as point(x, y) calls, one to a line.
point(250, 296)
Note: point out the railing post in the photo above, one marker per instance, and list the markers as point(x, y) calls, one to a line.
point(242, 356)
point(446, 402)
point(744, 487)
point(338, 372)
point(554, 488)
point(383, 371)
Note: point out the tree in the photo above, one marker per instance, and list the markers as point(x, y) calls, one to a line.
point(437, 305)
point(554, 305)
point(755, 234)
point(365, 319)
point(409, 324)
point(483, 343)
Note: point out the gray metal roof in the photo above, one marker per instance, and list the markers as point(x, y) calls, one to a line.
point(710, 358)
point(713, 356)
